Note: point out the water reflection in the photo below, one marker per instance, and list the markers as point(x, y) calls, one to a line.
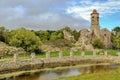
point(62, 73)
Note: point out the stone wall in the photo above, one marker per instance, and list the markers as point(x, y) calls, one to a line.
point(106, 38)
point(61, 61)
point(8, 67)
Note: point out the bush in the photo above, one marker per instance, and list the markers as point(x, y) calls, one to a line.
point(97, 43)
point(25, 39)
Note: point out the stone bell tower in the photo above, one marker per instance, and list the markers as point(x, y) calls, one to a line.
point(87, 37)
point(95, 28)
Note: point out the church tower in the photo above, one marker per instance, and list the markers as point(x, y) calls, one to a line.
point(95, 28)
point(87, 37)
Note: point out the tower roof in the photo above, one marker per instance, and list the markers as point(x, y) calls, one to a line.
point(94, 11)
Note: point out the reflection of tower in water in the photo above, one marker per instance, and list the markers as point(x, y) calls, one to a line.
point(84, 70)
point(98, 68)
point(62, 71)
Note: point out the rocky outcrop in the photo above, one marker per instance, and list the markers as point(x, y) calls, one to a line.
point(68, 36)
point(89, 47)
point(5, 49)
point(45, 47)
point(84, 40)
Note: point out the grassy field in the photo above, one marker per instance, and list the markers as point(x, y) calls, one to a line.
point(102, 75)
point(77, 53)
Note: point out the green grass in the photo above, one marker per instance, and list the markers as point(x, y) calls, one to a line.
point(54, 54)
point(112, 52)
point(88, 52)
point(102, 75)
point(77, 53)
point(66, 53)
point(8, 56)
point(41, 55)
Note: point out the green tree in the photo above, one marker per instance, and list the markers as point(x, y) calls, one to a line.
point(116, 41)
point(76, 34)
point(116, 29)
point(4, 37)
point(56, 35)
point(67, 29)
point(60, 35)
point(53, 36)
point(43, 35)
point(25, 39)
point(115, 37)
point(97, 43)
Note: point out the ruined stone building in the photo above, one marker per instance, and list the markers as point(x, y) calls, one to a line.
point(86, 37)
point(95, 28)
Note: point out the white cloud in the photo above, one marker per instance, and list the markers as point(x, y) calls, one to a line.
point(38, 14)
point(52, 14)
point(84, 8)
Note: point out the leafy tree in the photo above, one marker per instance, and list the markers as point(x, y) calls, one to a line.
point(43, 35)
point(67, 29)
point(116, 29)
point(4, 37)
point(60, 35)
point(25, 39)
point(53, 36)
point(116, 37)
point(76, 35)
point(97, 43)
point(116, 41)
point(56, 35)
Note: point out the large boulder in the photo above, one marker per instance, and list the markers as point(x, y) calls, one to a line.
point(89, 47)
point(45, 47)
point(84, 41)
point(5, 49)
point(68, 36)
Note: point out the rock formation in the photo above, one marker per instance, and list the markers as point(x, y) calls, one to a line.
point(84, 41)
point(68, 36)
point(87, 37)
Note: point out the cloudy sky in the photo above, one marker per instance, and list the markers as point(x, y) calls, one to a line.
point(55, 14)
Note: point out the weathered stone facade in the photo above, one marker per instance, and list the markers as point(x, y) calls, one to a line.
point(95, 28)
point(106, 38)
point(87, 37)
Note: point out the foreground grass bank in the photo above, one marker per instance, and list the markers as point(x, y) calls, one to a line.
point(102, 75)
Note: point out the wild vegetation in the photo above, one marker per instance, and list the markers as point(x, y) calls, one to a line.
point(31, 40)
point(28, 41)
point(116, 37)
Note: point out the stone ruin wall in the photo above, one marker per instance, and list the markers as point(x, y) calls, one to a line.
point(86, 37)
